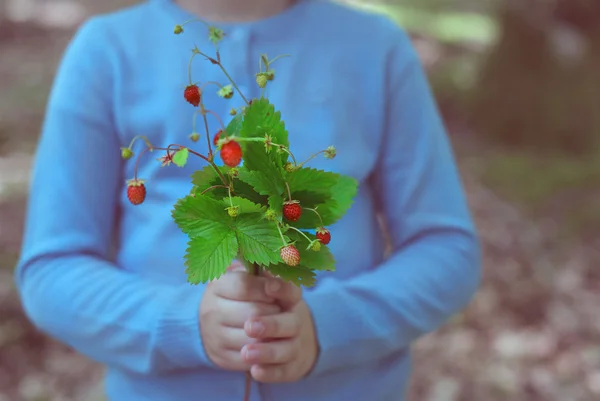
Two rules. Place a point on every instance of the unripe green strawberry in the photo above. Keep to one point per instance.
(226, 92)
(261, 79)
(315, 246)
(233, 211)
(194, 136)
(178, 29)
(126, 153)
(136, 191)
(270, 215)
(290, 255)
(330, 152)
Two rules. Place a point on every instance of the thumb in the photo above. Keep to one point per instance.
(285, 293)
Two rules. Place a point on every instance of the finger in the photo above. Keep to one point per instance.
(231, 339)
(286, 293)
(272, 373)
(270, 353)
(236, 313)
(241, 286)
(280, 325)
(236, 266)
(230, 360)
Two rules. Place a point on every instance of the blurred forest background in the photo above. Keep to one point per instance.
(518, 82)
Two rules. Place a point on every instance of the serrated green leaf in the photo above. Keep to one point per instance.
(343, 193)
(200, 216)
(235, 125)
(260, 119)
(208, 257)
(180, 157)
(320, 260)
(264, 184)
(259, 239)
(245, 205)
(312, 180)
(298, 275)
(205, 178)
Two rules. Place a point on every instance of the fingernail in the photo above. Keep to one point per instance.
(273, 286)
(251, 354)
(256, 328)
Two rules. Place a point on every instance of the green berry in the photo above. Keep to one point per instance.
(290, 167)
(270, 215)
(232, 112)
(330, 152)
(234, 172)
(126, 153)
(226, 92)
(178, 29)
(261, 79)
(233, 211)
(194, 136)
(315, 246)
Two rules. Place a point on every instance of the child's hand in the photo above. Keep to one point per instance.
(289, 347)
(227, 304)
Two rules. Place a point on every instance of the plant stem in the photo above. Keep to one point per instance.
(212, 163)
(190, 68)
(137, 162)
(216, 116)
(280, 234)
(232, 82)
(317, 213)
(203, 112)
(218, 62)
(311, 157)
(254, 270)
(213, 187)
(301, 232)
(286, 150)
(288, 191)
(211, 83)
(135, 138)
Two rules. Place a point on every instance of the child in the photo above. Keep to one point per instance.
(353, 80)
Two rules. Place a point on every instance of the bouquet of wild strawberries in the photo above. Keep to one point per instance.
(263, 211)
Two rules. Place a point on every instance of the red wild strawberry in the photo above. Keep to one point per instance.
(136, 191)
(292, 210)
(290, 255)
(323, 235)
(192, 95)
(231, 153)
(217, 137)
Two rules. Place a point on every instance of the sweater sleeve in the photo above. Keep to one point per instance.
(434, 268)
(69, 287)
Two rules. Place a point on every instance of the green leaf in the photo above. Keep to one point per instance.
(259, 239)
(235, 125)
(245, 205)
(260, 119)
(312, 180)
(320, 260)
(298, 275)
(205, 178)
(180, 157)
(343, 193)
(208, 257)
(200, 216)
(263, 183)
